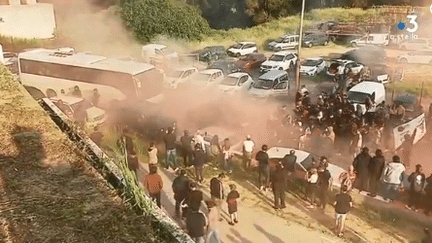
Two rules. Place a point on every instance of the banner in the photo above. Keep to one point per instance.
(400, 131)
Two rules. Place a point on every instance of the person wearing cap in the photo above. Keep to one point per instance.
(392, 178)
(187, 148)
(248, 147)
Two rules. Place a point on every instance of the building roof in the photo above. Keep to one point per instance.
(87, 60)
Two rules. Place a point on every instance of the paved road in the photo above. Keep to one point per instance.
(258, 221)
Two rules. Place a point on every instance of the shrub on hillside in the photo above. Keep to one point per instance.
(149, 18)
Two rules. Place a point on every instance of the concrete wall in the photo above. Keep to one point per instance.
(27, 21)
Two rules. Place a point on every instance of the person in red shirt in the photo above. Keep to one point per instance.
(153, 184)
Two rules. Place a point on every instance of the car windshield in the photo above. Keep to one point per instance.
(264, 84)
(238, 46)
(83, 103)
(279, 40)
(175, 74)
(230, 81)
(202, 77)
(357, 97)
(310, 62)
(308, 162)
(276, 58)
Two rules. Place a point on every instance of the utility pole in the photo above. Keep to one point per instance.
(299, 47)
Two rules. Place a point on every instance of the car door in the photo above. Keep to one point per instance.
(282, 87)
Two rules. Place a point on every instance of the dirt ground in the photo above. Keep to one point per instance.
(47, 191)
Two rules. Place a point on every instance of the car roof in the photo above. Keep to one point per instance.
(210, 71)
(184, 68)
(67, 99)
(272, 74)
(246, 42)
(280, 152)
(314, 58)
(284, 53)
(237, 75)
(366, 85)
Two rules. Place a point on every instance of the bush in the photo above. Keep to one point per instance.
(150, 18)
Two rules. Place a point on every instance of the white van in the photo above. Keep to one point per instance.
(155, 53)
(367, 89)
(274, 83)
(284, 43)
(372, 39)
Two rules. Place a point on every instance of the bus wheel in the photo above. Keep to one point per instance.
(51, 93)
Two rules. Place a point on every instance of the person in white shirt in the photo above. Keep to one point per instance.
(152, 153)
(248, 148)
(312, 179)
(200, 139)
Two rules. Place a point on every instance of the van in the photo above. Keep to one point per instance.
(274, 83)
(372, 39)
(315, 39)
(364, 90)
(284, 42)
(156, 53)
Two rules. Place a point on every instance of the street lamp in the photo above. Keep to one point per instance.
(299, 47)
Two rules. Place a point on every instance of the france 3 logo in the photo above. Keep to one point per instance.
(411, 27)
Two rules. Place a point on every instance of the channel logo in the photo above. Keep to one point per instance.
(411, 27)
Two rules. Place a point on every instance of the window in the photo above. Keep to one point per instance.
(284, 78)
(281, 86)
(213, 77)
(292, 39)
(243, 80)
(297, 39)
(287, 40)
(289, 56)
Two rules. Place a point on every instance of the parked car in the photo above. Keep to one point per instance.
(226, 65)
(236, 82)
(313, 66)
(304, 162)
(339, 66)
(242, 48)
(212, 53)
(372, 39)
(315, 39)
(284, 42)
(250, 62)
(416, 44)
(275, 83)
(364, 90)
(178, 76)
(381, 73)
(282, 60)
(69, 104)
(417, 57)
(207, 77)
(156, 53)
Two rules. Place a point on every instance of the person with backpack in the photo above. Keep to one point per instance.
(417, 181)
(217, 192)
(196, 223)
(180, 188)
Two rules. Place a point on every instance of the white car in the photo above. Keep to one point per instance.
(236, 82)
(282, 60)
(304, 162)
(338, 67)
(284, 42)
(242, 48)
(69, 104)
(313, 66)
(418, 57)
(367, 90)
(372, 39)
(416, 44)
(208, 77)
(178, 76)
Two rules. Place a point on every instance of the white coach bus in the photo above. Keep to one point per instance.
(55, 72)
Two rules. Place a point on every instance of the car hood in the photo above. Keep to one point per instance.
(234, 50)
(227, 88)
(259, 92)
(95, 113)
(271, 63)
(241, 63)
(307, 68)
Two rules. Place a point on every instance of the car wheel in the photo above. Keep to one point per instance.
(325, 43)
(237, 54)
(403, 61)
(310, 45)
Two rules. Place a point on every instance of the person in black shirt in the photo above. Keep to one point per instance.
(376, 168)
(263, 168)
(196, 223)
(194, 197)
(170, 146)
(324, 178)
(186, 142)
(361, 168)
(343, 204)
(279, 182)
(180, 188)
(199, 161)
(417, 182)
(289, 165)
(217, 192)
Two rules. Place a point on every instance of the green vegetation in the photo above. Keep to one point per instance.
(149, 18)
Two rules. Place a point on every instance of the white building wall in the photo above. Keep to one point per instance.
(27, 21)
